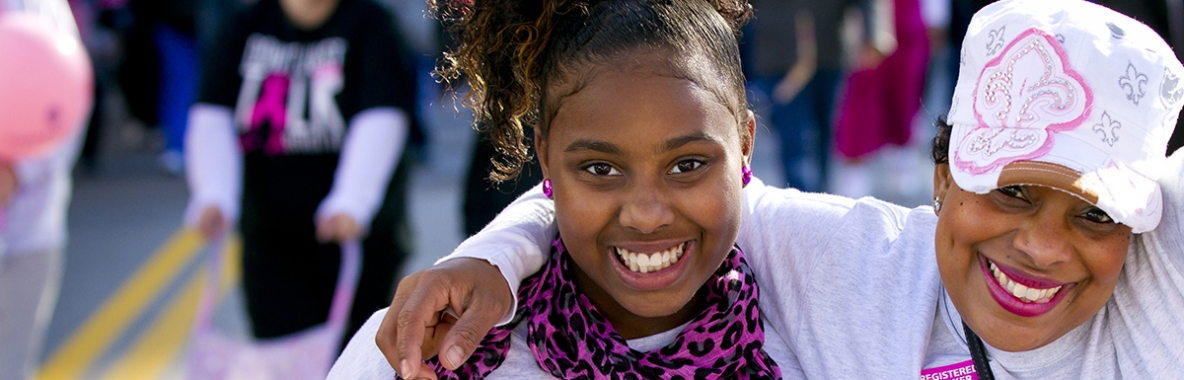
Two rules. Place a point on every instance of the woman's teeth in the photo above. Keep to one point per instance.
(645, 263)
(1020, 291)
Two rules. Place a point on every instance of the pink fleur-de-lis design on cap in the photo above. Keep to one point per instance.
(1022, 97)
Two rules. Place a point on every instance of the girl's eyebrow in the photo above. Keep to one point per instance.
(669, 145)
(677, 142)
(596, 146)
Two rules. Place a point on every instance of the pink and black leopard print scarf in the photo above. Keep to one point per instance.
(572, 340)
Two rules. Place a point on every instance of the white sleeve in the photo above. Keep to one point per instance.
(1144, 312)
(369, 154)
(41, 169)
(215, 162)
(517, 241)
(361, 358)
(1171, 226)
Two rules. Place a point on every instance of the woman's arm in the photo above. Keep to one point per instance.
(215, 168)
(369, 154)
(515, 245)
(477, 283)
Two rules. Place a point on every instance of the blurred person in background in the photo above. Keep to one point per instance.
(881, 101)
(158, 74)
(483, 198)
(301, 122)
(796, 65)
(34, 198)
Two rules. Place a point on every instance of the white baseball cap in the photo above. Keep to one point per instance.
(1070, 95)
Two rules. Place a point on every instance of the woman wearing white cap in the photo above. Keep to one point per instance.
(1055, 236)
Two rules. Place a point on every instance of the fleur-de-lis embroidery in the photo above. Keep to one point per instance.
(1107, 129)
(1170, 91)
(995, 40)
(1133, 82)
(1021, 100)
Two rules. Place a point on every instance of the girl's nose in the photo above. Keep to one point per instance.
(646, 212)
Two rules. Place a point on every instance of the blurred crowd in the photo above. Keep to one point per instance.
(849, 90)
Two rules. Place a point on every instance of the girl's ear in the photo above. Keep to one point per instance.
(941, 181)
(540, 149)
(748, 143)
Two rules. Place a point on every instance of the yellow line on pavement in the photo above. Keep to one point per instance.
(108, 322)
(160, 344)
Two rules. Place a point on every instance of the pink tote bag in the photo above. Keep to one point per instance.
(304, 355)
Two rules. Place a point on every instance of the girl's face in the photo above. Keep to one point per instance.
(1025, 264)
(646, 170)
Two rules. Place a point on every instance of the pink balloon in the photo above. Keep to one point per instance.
(45, 85)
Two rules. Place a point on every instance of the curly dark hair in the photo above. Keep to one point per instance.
(940, 152)
(516, 55)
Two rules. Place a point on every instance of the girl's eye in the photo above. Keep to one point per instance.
(1013, 191)
(686, 166)
(1096, 215)
(601, 168)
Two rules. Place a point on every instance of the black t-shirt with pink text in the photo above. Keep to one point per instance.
(294, 91)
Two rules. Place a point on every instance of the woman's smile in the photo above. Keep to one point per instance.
(1022, 294)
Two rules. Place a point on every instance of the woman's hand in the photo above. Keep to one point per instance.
(417, 325)
(338, 228)
(212, 224)
(7, 184)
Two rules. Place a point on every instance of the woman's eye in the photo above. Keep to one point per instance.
(1096, 215)
(1014, 192)
(686, 166)
(602, 169)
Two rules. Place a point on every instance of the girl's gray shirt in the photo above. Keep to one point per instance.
(853, 288)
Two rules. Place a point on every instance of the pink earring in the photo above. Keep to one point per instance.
(547, 187)
(746, 174)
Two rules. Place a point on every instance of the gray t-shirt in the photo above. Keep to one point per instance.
(361, 358)
(853, 288)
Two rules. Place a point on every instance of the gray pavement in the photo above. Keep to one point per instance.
(127, 208)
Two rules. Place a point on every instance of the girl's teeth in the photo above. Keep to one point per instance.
(645, 263)
(1024, 293)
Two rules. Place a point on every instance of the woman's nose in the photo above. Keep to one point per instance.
(1045, 241)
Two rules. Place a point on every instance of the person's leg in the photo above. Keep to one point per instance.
(797, 125)
(29, 285)
(825, 92)
(178, 88)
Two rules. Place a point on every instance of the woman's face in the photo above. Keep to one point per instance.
(646, 170)
(1025, 264)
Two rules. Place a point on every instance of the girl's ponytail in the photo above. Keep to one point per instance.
(501, 43)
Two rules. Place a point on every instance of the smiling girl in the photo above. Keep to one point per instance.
(644, 136)
(1052, 251)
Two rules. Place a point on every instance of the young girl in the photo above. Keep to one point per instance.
(643, 139)
(1055, 252)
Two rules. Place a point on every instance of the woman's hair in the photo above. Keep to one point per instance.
(514, 52)
(941, 142)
